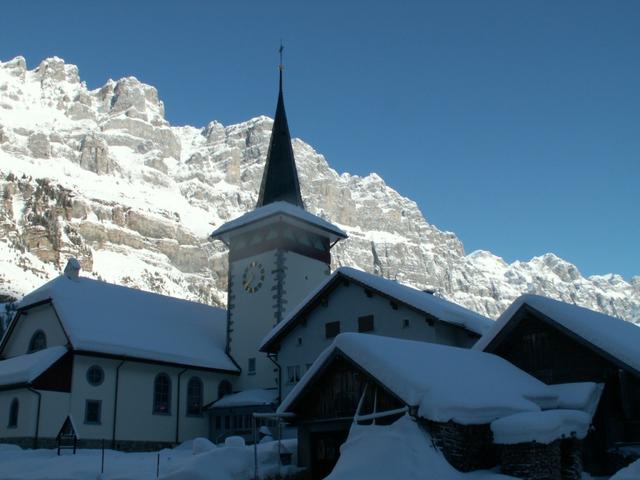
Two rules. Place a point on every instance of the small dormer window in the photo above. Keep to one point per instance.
(38, 342)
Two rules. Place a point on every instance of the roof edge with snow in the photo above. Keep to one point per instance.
(476, 324)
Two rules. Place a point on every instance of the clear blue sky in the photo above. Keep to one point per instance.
(513, 123)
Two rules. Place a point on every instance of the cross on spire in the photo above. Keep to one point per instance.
(280, 50)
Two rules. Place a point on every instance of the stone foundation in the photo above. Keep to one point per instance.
(123, 445)
(571, 451)
(466, 447)
(532, 461)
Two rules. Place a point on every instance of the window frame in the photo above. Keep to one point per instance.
(328, 329)
(157, 410)
(189, 412)
(363, 323)
(294, 374)
(97, 403)
(95, 368)
(14, 412)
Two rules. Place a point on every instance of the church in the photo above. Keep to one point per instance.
(104, 355)
(134, 370)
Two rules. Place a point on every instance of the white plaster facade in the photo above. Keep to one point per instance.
(348, 302)
(253, 314)
(126, 393)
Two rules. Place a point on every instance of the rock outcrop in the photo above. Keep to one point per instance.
(100, 175)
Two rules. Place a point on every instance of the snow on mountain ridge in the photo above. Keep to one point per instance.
(100, 174)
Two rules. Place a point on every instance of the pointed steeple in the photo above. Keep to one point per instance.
(280, 177)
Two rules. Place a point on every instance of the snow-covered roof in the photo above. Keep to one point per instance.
(583, 396)
(106, 318)
(445, 383)
(616, 337)
(24, 369)
(285, 209)
(248, 398)
(541, 427)
(440, 308)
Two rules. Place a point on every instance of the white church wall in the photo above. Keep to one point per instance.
(197, 426)
(53, 412)
(135, 418)
(302, 276)
(27, 412)
(38, 318)
(346, 304)
(252, 314)
(82, 391)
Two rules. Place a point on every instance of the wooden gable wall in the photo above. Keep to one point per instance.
(547, 351)
(337, 390)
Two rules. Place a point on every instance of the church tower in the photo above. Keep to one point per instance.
(277, 254)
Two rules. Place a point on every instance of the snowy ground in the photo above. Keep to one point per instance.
(180, 463)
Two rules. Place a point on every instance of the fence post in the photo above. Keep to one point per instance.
(102, 464)
(158, 466)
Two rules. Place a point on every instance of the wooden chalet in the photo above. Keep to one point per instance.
(453, 393)
(557, 342)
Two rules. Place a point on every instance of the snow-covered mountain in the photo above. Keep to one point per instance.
(101, 175)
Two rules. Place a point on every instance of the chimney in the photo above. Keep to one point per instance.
(72, 270)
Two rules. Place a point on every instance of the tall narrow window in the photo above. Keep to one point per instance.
(38, 342)
(194, 396)
(252, 366)
(93, 411)
(162, 394)
(13, 413)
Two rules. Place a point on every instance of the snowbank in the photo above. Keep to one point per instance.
(631, 472)
(400, 450)
(541, 427)
(234, 463)
(218, 463)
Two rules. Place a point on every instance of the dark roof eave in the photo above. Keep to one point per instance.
(130, 358)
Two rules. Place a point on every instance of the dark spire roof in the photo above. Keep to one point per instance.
(280, 177)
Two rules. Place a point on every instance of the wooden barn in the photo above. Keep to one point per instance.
(558, 342)
(453, 393)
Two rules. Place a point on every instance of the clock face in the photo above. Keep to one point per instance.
(253, 277)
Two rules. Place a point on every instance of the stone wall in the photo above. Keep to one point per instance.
(124, 445)
(466, 447)
(532, 461)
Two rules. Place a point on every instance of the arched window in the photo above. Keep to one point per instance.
(224, 388)
(38, 342)
(194, 396)
(13, 413)
(162, 394)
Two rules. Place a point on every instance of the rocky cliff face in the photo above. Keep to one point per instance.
(102, 176)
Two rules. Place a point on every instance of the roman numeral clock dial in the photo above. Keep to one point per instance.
(253, 277)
